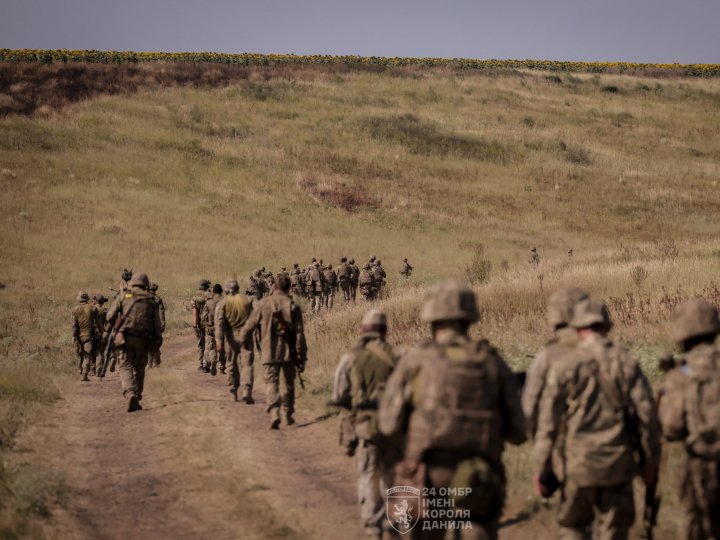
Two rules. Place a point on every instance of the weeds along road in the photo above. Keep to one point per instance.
(192, 464)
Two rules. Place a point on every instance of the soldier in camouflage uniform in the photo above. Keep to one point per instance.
(196, 305)
(367, 284)
(405, 269)
(208, 319)
(297, 281)
(457, 402)
(354, 279)
(329, 287)
(154, 357)
(344, 275)
(690, 413)
(559, 312)
(231, 315)
(138, 334)
(603, 405)
(102, 327)
(85, 333)
(315, 281)
(281, 327)
(534, 257)
(373, 360)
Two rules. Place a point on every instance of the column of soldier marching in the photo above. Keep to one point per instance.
(427, 425)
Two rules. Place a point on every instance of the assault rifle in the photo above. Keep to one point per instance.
(289, 336)
(109, 348)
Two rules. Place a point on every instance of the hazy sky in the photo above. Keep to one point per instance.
(633, 30)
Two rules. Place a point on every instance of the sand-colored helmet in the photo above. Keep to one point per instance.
(126, 275)
(204, 285)
(140, 280)
(693, 318)
(560, 305)
(590, 312)
(374, 317)
(83, 296)
(352, 261)
(232, 286)
(450, 300)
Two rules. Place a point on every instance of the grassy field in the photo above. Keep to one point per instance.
(442, 168)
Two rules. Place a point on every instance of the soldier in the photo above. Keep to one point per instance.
(197, 304)
(690, 412)
(344, 274)
(283, 348)
(137, 320)
(208, 319)
(373, 363)
(154, 357)
(366, 281)
(354, 279)
(102, 328)
(602, 404)
(559, 312)
(329, 287)
(406, 269)
(379, 275)
(534, 257)
(231, 315)
(457, 402)
(85, 333)
(315, 281)
(570, 255)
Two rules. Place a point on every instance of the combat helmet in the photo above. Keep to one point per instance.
(589, 313)
(204, 285)
(560, 306)
(140, 280)
(352, 261)
(367, 266)
(232, 286)
(694, 318)
(374, 318)
(126, 275)
(83, 296)
(450, 300)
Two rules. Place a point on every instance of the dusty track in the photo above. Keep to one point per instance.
(193, 464)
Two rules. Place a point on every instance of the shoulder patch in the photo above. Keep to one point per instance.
(128, 295)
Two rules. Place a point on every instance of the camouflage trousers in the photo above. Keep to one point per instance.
(315, 298)
(700, 497)
(154, 359)
(371, 487)
(328, 298)
(274, 397)
(201, 345)
(353, 290)
(132, 358)
(345, 287)
(610, 510)
(211, 354)
(240, 370)
(86, 356)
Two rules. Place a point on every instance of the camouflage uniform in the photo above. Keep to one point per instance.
(102, 328)
(458, 402)
(344, 276)
(85, 333)
(154, 357)
(406, 269)
(329, 287)
(594, 397)
(371, 367)
(534, 257)
(231, 316)
(354, 279)
(208, 318)
(278, 318)
(197, 304)
(690, 413)
(367, 284)
(379, 276)
(141, 330)
(315, 281)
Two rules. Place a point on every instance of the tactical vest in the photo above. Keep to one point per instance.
(365, 278)
(315, 279)
(702, 399)
(139, 312)
(344, 272)
(456, 398)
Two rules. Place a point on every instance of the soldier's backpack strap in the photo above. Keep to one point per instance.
(375, 348)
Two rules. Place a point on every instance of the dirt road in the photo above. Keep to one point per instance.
(193, 464)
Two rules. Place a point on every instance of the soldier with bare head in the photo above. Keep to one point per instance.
(458, 403)
(231, 315)
(137, 320)
(690, 413)
(597, 411)
(85, 333)
(283, 349)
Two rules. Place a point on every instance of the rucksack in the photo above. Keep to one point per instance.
(702, 400)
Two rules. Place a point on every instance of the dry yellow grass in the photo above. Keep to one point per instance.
(186, 183)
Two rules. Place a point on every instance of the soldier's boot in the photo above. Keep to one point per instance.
(275, 415)
(233, 394)
(201, 367)
(85, 377)
(289, 420)
(213, 368)
(205, 368)
(134, 404)
(247, 398)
